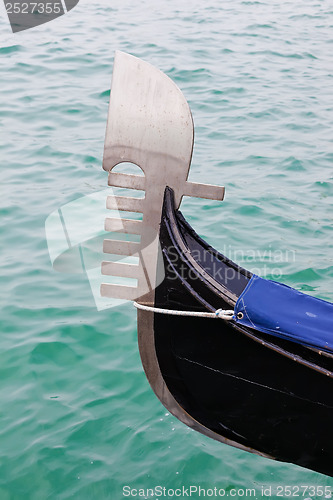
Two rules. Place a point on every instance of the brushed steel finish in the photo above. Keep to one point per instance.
(121, 247)
(129, 181)
(120, 225)
(149, 124)
(119, 291)
(125, 203)
(121, 269)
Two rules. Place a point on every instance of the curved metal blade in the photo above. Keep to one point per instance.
(149, 121)
(149, 124)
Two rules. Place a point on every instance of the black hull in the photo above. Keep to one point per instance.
(270, 396)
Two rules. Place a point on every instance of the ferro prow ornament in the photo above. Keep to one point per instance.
(246, 361)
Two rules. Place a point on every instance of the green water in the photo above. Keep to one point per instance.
(78, 418)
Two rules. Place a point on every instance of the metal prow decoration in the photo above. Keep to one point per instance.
(149, 124)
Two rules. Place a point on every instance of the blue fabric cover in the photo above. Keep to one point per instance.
(279, 310)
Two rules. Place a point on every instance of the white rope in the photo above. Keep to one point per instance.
(219, 313)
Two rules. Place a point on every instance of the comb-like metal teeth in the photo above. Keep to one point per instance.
(129, 181)
(121, 247)
(123, 225)
(119, 291)
(149, 125)
(125, 203)
(121, 269)
(207, 191)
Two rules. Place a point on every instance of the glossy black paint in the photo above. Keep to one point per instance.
(221, 374)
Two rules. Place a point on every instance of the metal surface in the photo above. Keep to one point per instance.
(149, 124)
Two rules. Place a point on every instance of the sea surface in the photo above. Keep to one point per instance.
(78, 419)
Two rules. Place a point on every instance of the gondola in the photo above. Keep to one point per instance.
(244, 360)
